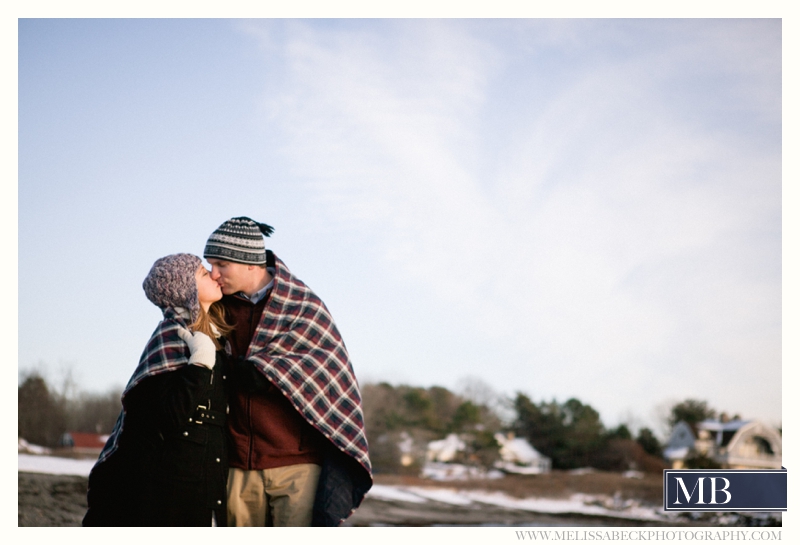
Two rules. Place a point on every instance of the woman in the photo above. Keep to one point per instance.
(165, 463)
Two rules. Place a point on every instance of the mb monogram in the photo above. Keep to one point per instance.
(699, 487)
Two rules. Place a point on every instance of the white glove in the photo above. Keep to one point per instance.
(201, 347)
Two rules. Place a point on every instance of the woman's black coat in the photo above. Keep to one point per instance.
(171, 467)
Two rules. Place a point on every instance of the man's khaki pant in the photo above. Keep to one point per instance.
(282, 496)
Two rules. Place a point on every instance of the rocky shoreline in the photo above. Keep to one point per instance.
(51, 500)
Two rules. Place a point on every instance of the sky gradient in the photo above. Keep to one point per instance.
(567, 208)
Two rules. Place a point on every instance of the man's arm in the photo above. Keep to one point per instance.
(249, 379)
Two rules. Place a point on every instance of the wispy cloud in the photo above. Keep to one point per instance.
(620, 226)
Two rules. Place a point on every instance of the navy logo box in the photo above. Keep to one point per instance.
(725, 489)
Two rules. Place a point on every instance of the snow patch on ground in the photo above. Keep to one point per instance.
(392, 493)
(24, 446)
(53, 465)
(457, 472)
(577, 504)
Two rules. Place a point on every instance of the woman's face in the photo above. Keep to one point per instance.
(208, 291)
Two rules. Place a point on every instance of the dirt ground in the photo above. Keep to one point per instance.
(556, 484)
(60, 500)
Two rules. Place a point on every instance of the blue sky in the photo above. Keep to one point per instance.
(567, 208)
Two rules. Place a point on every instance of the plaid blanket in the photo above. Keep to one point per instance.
(164, 352)
(299, 349)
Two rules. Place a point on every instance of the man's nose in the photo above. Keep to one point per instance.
(214, 273)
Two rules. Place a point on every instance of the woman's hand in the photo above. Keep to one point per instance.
(201, 347)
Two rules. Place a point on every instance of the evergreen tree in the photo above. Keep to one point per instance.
(690, 411)
(649, 442)
(570, 434)
(620, 432)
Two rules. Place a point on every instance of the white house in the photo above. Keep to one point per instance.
(445, 450)
(446, 461)
(519, 456)
(733, 444)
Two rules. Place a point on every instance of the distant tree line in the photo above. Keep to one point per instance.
(44, 414)
(571, 434)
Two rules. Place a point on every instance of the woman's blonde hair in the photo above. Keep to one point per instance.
(216, 316)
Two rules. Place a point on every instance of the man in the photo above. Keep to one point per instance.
(298, 452)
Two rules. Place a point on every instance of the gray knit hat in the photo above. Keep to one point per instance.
(171, 282)
(239, 240)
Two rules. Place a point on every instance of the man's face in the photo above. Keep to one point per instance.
(231, 277)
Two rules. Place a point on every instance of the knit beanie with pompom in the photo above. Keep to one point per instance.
(239, 240)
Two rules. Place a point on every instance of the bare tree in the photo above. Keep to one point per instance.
(94, 413)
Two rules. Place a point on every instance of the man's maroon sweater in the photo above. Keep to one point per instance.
(264, 428)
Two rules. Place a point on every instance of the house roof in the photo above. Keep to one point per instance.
(716, 425)
(88, 440)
